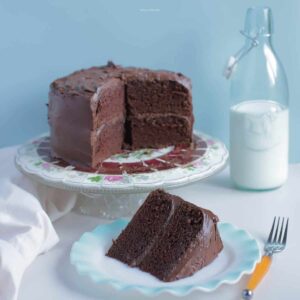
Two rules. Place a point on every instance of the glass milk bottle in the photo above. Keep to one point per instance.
(259, 115)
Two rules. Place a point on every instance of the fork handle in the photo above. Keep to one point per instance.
(260, 271)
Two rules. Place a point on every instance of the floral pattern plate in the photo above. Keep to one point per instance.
(126, 172)
(239, 256)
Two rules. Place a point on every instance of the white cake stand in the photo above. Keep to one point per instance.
(122, 181)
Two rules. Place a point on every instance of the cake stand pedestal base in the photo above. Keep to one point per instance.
(109, 206)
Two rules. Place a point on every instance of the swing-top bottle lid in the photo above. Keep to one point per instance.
(258, 21)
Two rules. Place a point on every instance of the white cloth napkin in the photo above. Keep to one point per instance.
(26, 211)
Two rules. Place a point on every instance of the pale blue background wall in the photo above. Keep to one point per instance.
(42, 40)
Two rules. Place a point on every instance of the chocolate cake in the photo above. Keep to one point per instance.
(168, 238)
(97, 112)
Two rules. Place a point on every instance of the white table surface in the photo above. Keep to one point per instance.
(51, 277)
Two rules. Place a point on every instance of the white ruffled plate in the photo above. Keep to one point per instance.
(239, 256)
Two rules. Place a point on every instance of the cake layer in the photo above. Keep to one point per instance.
(153, 95)
(160, 130)
(185, 240)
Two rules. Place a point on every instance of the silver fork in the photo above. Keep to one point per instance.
(276, 243)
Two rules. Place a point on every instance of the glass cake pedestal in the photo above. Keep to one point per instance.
(122, 182)
(109, 206)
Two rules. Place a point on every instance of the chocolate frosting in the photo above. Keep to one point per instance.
(86, 81)
(202, 251)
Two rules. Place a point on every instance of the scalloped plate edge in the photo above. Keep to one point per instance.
(133, 187)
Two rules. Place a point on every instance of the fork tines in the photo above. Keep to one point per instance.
(281, 231)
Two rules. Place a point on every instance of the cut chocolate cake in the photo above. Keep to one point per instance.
(168, 238)
(97, 112)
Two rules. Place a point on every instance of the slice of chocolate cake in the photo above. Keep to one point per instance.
(168, 238)
(95, 113)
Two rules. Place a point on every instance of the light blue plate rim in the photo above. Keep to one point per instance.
(251, 256)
